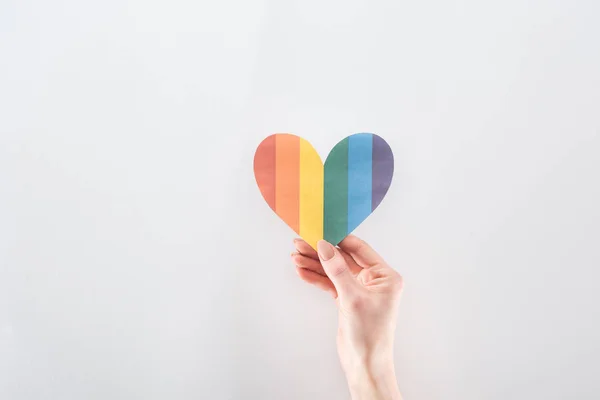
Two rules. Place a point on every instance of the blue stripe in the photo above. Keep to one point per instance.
(360, 157)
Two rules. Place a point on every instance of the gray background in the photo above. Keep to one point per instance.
(139, 261)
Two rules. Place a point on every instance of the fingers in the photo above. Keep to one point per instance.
(361, 252)
(317, 280)
(305, 262)
(305, 249)
(335, 266)
(352, 265)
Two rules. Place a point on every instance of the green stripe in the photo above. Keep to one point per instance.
(335, 218)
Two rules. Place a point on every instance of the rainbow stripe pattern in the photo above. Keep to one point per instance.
(323, 201)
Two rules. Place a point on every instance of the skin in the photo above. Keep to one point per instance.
(367, 294)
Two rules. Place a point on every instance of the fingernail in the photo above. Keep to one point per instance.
(325, 250)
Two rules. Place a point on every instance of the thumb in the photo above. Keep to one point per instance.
(336, 268)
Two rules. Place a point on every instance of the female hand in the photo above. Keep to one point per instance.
(367, 293)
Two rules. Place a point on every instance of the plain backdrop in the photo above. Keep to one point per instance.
(139, 261)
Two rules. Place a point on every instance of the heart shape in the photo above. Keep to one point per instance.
(323, 201)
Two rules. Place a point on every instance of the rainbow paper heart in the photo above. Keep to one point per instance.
(323, 202)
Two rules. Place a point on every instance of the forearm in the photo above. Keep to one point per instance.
(375, 382)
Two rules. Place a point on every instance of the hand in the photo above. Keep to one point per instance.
(367, 293)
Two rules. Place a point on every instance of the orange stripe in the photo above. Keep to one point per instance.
(287, 179)
(264, 169)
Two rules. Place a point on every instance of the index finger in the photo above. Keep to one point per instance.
(363, 254)
(305, 249)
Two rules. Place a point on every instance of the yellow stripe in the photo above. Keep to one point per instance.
(311, 194)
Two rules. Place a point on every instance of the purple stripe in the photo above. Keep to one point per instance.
(383, 169)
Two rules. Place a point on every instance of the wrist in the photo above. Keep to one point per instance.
(373, 380)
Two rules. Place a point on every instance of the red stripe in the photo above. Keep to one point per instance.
(264, 169)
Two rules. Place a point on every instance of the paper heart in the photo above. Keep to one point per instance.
(323, 202)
